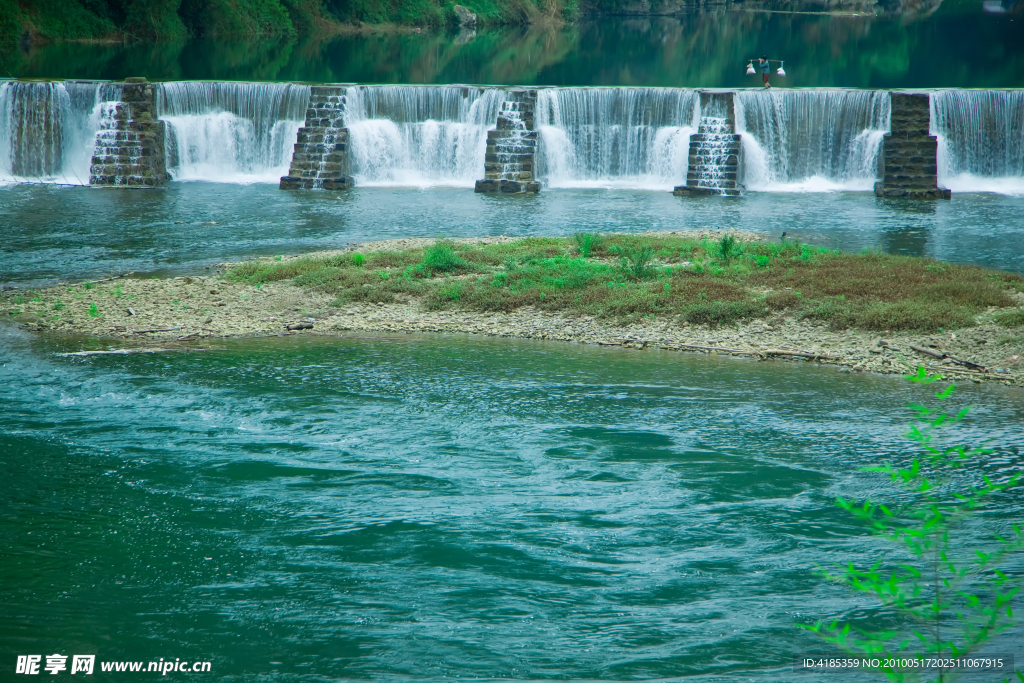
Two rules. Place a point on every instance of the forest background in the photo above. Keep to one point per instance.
(34, 21)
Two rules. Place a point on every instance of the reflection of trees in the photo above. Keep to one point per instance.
(950, 48)
(710, 49)
(513, 55)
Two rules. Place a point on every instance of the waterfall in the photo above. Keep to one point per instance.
(615, 137)
(811, 140)
(981, 140)
(419, 135)
(231, 132)
(47, 130)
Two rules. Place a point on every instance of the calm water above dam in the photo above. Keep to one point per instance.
(930, 44)
(426, 507)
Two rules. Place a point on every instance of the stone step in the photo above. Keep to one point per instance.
(518, 175)
(910, 161)
(124, 150)
(290, 182)
(511, 149)
(312, 134)
(910, 171)
(125, 181)
(699, 137)
(528, 146)
(327, 112)
(116, 169)
(108, 160)
(902, 148)
(518, 105)
(508, 125)
(503, 135)
(911, 193)
(509, 158)
(694, 175)
(318, 148)
(113, 137)
(327, 122)
(332, 157)
(497, 167)
(715, 159)
(702, 149)
(506, 187)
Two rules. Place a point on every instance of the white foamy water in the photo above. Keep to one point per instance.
(231, 132)
(48, 130)
(811, 140)
(634, 138)
(419, 136)
(981, 140)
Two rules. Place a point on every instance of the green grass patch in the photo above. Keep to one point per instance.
(1011, 319)
(629, 277)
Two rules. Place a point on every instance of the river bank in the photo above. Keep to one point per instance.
(373, 288)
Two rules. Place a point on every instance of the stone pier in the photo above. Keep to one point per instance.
(511, 161)
(714, 160)
(909, 153)
(129, 149)
(320, 159)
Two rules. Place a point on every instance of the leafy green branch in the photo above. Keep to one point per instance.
(947, 601)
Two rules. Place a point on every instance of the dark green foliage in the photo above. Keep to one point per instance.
(941, 589)
(235, 17)
(69, 19)
(586, 241)
(153, 19)
(622, 279)
(727, 247)
(441, 258)
(637, 261)
(1011, 319)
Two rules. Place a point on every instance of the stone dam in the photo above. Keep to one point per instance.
(510, 140)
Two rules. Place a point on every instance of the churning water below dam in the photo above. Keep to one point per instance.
(426, 507)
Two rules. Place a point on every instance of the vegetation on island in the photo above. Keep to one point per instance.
(629, 277)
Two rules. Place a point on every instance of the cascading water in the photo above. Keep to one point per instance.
(47, 130)
(419, 135)
(981, 140)
(231, 132)
(811, 140)
(615, 137)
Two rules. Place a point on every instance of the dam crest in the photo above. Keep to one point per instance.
(512, 140)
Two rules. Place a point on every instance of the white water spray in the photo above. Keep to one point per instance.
(811, 140)
(47, 130)
(231, 132)
(981, 140)
(406, 135)
(615, 137)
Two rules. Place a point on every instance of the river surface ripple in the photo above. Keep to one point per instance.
(422, 506)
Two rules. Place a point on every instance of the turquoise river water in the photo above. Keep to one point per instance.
(425, 507)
